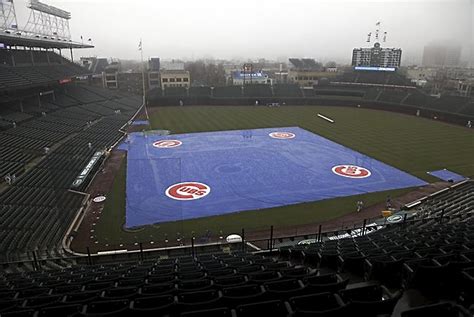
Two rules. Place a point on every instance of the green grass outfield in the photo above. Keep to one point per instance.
(409, 143)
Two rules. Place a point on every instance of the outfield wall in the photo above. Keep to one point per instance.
(336, 101)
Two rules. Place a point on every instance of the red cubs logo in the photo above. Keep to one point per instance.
(166, 144)
(188, 191)
(351, 171)
(282, 135)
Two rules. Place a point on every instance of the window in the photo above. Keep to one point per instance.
(178, 80)
(172, 80)
(185, 80)
(165, 80)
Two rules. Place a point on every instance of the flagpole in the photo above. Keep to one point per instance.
(143, 79)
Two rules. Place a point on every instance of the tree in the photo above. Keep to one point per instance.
(206, 74)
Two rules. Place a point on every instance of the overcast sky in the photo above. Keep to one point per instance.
(272, 29)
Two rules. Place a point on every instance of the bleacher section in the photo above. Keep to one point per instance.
(287, 90)
(456, 203)
(200, 91)
(453, 104)
(424, 267)
(228, 92)
(392, 95)
(176, 91)
(339, 92)
(19, 68)
(258, 91)
(375, 78)
(417, 98)
(36, 209)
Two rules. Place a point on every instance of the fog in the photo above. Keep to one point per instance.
(277, 29)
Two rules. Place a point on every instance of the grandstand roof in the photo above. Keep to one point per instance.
(19, 40)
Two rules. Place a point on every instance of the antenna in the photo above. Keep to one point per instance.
(7, 16)
(377, 34)
(377, 30)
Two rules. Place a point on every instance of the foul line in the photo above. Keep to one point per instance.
(325, 118)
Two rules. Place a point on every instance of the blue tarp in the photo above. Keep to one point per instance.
(446, 175)
(245, 170)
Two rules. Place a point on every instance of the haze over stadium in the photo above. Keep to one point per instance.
(236, 158)
(240, 29)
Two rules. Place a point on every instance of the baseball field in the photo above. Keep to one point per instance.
(404, 144)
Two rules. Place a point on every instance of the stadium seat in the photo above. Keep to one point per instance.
(41, 301)
(60, 310)
(384, 268)
(233, 296)
(265, 276)
(83, 297)
(284, 289)
(158, 289)
(272, 308)
(213, 312)
(229, 281)
(323, 304)
(20, 313)
(120, 293)
(198, 300)
(107, 308)
(325, 283)
(194, 285)
(369, 299)
(436, 310)
(424, 274)
(153, 306)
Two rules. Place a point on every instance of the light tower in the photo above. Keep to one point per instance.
(48, 21)
(7, 16)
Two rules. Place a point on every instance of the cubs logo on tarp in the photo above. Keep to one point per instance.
(167, 144)
(188, 191)
(282, 135)
(351, 171)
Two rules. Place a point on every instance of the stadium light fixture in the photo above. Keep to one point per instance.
(41, 7)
